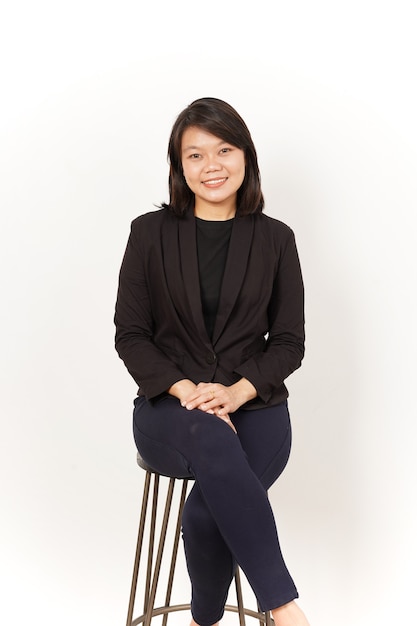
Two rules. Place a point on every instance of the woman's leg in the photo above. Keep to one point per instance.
(266, 439)
(210, 563)
(261, 443)
(174, 441)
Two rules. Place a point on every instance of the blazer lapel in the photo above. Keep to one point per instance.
(181, 270)
(235, 270)
(189, 268)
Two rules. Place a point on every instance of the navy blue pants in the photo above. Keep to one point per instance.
(227, 516)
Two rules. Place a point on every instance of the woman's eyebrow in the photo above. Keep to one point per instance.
(221, 142)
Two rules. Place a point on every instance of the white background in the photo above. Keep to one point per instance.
(89, 94)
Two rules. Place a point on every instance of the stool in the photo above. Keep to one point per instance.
(153, 565)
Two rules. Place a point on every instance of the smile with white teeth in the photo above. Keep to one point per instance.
(214, 181)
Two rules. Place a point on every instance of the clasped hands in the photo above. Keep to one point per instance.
(214, 398)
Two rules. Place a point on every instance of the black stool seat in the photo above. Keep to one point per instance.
(148, 526)
(150, 469)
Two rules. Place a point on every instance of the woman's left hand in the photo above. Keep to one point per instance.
(219, 399)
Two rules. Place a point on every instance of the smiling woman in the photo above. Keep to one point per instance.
(216, 122)
(191, 319)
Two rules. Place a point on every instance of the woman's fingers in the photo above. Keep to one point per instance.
(211, 396)
(228, 421)
(204, 394)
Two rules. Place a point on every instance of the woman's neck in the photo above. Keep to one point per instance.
(214, 213)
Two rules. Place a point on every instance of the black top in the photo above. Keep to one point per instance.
(212, 246)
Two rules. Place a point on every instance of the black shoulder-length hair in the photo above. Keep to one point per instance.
(220, 119)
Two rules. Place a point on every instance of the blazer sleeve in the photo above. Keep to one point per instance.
(151, 369)
(284, 348)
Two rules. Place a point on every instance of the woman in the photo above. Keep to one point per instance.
(209, 322)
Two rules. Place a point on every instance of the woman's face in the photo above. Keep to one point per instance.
(214, 171)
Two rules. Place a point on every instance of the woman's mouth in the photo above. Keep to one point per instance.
(214, 182)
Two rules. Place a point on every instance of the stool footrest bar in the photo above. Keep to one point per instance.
(164, 610)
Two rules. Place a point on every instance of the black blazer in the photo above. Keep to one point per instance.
(259, 331)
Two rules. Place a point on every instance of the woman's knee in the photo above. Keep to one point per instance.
(202, 440)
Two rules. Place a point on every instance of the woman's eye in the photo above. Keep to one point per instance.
(225, 150)
(194, 156)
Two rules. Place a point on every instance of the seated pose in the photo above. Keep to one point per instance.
(209, 323)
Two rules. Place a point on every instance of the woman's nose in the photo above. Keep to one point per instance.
(212, 164)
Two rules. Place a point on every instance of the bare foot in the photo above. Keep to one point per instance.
(289, 615)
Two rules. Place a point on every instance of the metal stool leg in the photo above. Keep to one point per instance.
(151, 544)
(139, 544)
(239, 597)
(157, 568)
(175, 548)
